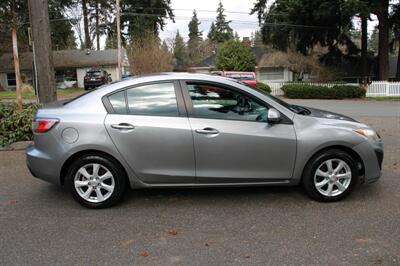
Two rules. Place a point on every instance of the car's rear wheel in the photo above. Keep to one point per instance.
(330, 175)
(96, 181)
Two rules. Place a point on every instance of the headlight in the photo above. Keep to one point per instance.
(369, 134)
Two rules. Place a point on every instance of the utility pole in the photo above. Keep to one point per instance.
(16, 68)
(39, 21)
(118, 40)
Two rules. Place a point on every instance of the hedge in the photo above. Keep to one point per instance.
(306, 91)
(16, 125)
(263, 87)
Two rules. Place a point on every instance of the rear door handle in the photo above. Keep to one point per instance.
(207, 130)
(123, 126)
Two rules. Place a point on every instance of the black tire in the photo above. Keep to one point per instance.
(313, 165)
(116, 170)
(87, 88)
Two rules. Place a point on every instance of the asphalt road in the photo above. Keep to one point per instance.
(40, 224)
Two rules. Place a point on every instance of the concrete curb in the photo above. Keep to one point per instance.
(16, 146)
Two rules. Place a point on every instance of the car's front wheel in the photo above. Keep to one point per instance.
(330, 175)
(96, 181)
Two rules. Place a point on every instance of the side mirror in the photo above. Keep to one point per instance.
(273, 116)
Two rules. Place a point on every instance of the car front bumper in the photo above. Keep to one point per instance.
(372, 157)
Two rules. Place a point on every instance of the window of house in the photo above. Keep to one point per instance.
(215, 102)
(154, 99)
(11, 80)
(272, 74)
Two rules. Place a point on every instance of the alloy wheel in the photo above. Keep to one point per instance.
(94, 182)
(332, 177)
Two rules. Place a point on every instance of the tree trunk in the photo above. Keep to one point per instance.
(383, 49)
(364, 46)
(39, 21)
(16, 68)
(398, 64)
(86, 25)
(97, 25)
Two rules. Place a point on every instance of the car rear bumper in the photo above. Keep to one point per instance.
(41, 165)
(372, 156)
(96, 83)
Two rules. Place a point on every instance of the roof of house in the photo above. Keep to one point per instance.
(65, 59)
(210, 61)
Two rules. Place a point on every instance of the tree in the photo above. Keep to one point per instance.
(234, 55)
(62, 34)
(99, 18)
(146, 55)
(88, 41)
(302, 24)
(140, 16)
(220, 31)
(395, 25)
(195, 38)
(381, 10)
(180, 54)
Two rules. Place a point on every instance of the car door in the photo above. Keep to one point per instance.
(149, 126)
(233, 142)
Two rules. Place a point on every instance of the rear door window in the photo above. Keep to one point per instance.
(153, 99)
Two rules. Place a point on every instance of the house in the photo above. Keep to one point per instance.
(70, 66)
(271, 67)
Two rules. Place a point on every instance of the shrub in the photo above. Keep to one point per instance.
(16, 125)
(263, 87)
(307, 91)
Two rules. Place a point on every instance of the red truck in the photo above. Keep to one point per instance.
(246, 77)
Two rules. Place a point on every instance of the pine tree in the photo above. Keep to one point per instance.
(195, 38)
(220, 31)
(180, 54)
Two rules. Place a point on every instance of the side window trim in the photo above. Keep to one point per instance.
(178, 94)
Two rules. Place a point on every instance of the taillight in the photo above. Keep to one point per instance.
(43, 125)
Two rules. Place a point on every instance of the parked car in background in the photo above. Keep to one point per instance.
(246, 77)
(188, 130)
(95, 78)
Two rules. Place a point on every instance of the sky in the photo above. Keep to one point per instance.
(242, 22)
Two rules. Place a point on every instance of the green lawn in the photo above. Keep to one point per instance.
(60, 93)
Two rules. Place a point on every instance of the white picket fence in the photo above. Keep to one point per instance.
(375, 89)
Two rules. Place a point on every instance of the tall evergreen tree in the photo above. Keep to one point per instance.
(140, 16)
(195, 38)
(220, 31)
(180, 54)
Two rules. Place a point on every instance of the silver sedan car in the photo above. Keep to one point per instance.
(195, 130)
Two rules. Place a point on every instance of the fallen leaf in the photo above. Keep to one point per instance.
(247, 256)
(11, 202)
(207, 245)
(361, 241)
(128, 242)
(173, 232)
(143, 253)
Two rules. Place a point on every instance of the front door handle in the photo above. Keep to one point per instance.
(123, 126)
(207, 130)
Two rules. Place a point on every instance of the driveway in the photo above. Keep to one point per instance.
(41, 224)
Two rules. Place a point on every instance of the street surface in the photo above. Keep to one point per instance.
(40, 224)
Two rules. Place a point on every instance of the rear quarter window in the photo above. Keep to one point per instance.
(118, 103)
